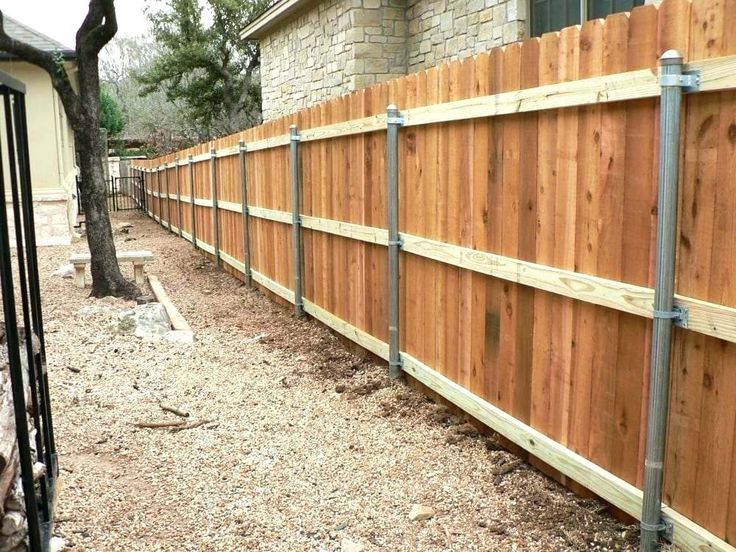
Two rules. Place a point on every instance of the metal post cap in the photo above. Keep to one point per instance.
(671, 57)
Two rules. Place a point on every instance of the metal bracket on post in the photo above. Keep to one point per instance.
(665, 312)
(296, 219)
(242, 149)
(665, 528)
(393, 122)
(215, 208)
(689, 81)
(678, 315)
(668, 530)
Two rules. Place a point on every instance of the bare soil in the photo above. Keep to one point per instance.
(307, 446)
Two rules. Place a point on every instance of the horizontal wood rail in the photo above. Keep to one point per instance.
(702, 316)
(270, 214)
(275, 287)
(348, 128)
(229, 206)
(200, 202)
(715, 74)
(346, 229)
(364, 339)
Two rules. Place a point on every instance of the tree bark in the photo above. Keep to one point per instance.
(106, 276)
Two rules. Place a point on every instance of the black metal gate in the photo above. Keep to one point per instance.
(124, 193)
(23, 340)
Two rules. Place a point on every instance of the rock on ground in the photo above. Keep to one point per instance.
(144, 321)
(348, 545)
(65, 271)
(420, 513)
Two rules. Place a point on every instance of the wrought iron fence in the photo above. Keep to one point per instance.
(24, 337)
(124, 193)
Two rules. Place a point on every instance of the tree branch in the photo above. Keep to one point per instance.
(98, 27)
(49, 63)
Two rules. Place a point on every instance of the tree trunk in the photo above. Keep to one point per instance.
(106, 276)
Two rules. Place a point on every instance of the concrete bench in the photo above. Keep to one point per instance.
(138, 258)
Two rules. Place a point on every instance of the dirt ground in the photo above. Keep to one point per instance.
(309, 447)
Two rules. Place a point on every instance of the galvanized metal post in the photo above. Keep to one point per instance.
(244, 207)
(296, 220)
(215, 214)
(168, 203)
(672, 82)
(394, 243)
(191, 197)
(158, 191)
(178, 195)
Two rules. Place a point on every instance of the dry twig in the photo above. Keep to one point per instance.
(174, 410)
(159, 425)
(191, 425)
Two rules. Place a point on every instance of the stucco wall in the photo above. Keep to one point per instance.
(51, 151)
(332, 48)
(49, 135)
(441, 30)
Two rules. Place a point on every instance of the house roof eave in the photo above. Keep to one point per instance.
(274, 16)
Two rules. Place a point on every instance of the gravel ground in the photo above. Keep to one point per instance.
(310, 447)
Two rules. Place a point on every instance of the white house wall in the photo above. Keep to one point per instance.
(51, 150)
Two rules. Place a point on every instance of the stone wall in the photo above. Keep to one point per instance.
(333, 48)
(338, 46)
(52, 217)
(443, 30)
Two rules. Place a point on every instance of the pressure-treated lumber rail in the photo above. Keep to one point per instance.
(703, 317)
(715, 74)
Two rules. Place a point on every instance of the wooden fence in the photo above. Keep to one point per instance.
(528, 197)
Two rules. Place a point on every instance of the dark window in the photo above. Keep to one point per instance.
(553, 15)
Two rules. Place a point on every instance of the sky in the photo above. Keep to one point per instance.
(60, 19)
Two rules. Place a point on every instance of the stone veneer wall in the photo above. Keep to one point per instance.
(443, 30)
(52, 216)
(333, 48)
(337, 46)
